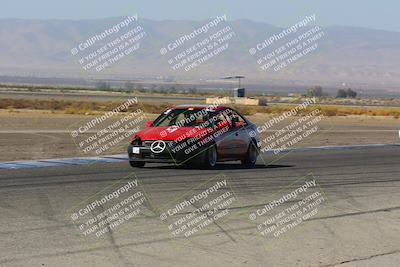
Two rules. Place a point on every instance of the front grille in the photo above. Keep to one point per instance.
(163, 155)
(148, 143)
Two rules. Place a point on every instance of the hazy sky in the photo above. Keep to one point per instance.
(378, 14)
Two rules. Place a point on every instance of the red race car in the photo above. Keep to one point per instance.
(196, 134)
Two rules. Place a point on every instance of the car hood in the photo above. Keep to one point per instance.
(169, 133)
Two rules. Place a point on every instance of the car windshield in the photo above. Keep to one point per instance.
(184, 118)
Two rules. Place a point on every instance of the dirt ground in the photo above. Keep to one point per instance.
(28, 135)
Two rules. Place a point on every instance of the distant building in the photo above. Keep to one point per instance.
(239, 92)
(234, 100)
(239, 96)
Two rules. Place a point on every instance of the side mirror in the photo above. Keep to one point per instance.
(149, 124)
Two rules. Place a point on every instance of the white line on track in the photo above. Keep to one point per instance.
(26, 164)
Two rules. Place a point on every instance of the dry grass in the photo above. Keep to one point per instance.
(87, 107)
(75, 107)
(326, 110)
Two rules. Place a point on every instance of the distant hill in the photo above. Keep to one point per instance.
(366, 57)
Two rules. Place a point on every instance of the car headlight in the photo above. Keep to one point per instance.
(136, 141)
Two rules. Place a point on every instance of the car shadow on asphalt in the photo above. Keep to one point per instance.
(221, 166)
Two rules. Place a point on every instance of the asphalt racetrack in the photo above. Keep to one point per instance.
(357, 224)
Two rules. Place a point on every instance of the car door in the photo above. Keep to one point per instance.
(231, 143)
(240, 136)
(224, 136)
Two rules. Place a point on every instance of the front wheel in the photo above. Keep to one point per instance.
(251, 156)
(137, 164)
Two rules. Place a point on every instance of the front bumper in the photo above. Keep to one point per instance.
(167, 156)
(145, 154)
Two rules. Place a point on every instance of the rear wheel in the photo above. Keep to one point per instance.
(251, 156)
(210, 157)
(137, 164)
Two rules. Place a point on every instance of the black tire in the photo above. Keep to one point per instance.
(210, 157)
(137, 164)
(251, 156)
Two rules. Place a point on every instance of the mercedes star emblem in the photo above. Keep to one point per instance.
(158, 146)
